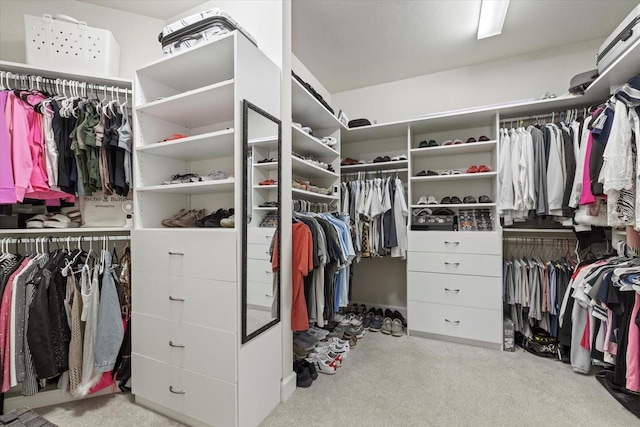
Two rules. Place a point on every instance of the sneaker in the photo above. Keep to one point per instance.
(398, 315)
(376, 325)
(303, 376)
(337, 332)
(303, 344)
(310, 367)
(317, 332)
(352, 331)
(228, 222)
(353, 341)
(327, 355)
(189, 219)
(168, 222)
(397, 328)
(423, 200)
(386, 326)
(323, 366)
(299, 351)
(366, 322)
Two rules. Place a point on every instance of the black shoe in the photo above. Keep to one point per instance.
(388, 313)
(203, 221)
(303, 376)
(311, 367)
(398, 315)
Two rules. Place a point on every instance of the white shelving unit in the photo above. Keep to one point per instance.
(307, 111)
(189, 279)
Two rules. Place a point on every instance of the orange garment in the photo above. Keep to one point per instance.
(302, 253)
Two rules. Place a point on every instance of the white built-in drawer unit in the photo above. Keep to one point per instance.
(258, 251)
(472, 242)
(209, 400)
(260, 235)
(193, 253)
(465, 291)
(467, 264)
(460, 322)
(206, 351)
(201, 302)
(260, 294)
(259, 270)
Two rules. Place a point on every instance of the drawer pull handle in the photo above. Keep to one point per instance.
(172, 298)
(455, 291)
(177, 345)
(268, 272)
(176, 253)
(267, 237)
(174, 391)
(455, 322)
(454, 264)
(267, 252)
(268, 296)
(451, 243)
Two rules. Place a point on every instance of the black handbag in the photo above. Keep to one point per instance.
(359, 122)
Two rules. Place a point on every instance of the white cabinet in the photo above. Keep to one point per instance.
(186, 309)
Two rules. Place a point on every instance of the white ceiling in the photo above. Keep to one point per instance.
(348, 44)
(159, 9)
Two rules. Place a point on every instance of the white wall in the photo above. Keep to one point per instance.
(520, 77)
(260, 18)
(137, 35)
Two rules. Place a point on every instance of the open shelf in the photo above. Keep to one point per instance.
(205, 187)
(308, 195)
(271, 166)
(457, 206)
(447, 150)
(196, 108)
(308, 111)
(304, 169)
(265, 187)
(188, 64)
(305, 144)
(79, 230)
(395, 166)
(199, 147)
(460, 177)
(269, 142)
(262, 208)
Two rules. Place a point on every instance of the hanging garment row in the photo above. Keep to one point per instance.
(601, 310)
(536, 273)
(377, 210)
(322, 253)
(57, 140)
(585, 169)
(64, 315)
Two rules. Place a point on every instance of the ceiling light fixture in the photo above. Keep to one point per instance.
(492, 14)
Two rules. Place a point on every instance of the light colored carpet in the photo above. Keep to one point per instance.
(410, 381)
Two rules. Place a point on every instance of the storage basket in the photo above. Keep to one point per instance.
(65, 44)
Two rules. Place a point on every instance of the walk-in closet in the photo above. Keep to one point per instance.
(273, 213)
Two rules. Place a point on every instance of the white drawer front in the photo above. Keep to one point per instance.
(456, 242)
(259, 271)
(473, 265)
(461, 322)
(479, 292)
(260, 235)
(206, 351)
(200, 302)
(256, 251)
(191, 253)
(260, 294)
(208, 400)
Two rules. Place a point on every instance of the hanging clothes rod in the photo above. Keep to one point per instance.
(12, 240)
(36, 80)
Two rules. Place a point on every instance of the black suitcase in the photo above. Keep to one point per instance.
(199, 28)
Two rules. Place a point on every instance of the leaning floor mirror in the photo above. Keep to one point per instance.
(260, 231)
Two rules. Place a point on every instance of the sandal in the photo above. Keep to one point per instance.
(36, 221)
(60, 221)
(267, 182)
(472, 169)
(483, 168)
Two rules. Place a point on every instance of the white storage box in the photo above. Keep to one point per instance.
(65, 44)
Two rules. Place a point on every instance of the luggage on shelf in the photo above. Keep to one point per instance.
(198, 28)
(622, 38)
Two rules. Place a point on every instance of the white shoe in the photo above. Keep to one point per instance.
(327, 355)
(323, 366)
(423, 200)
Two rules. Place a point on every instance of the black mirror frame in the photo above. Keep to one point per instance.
(246, 106)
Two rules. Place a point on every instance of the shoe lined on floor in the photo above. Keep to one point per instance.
(397, 328)
(398, 315)
(386, 326)
(323, 366)
(376, 324)
(303, 376)
(310, 367)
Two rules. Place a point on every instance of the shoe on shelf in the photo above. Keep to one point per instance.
(397, 328)
(228, 222)
(168, 222)
(189, 219)
(214, 176)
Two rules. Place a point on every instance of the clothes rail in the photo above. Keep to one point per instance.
(347, 176)
(12, 240)
(58, 85)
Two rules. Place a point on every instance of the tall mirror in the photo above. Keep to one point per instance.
(260, 231)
